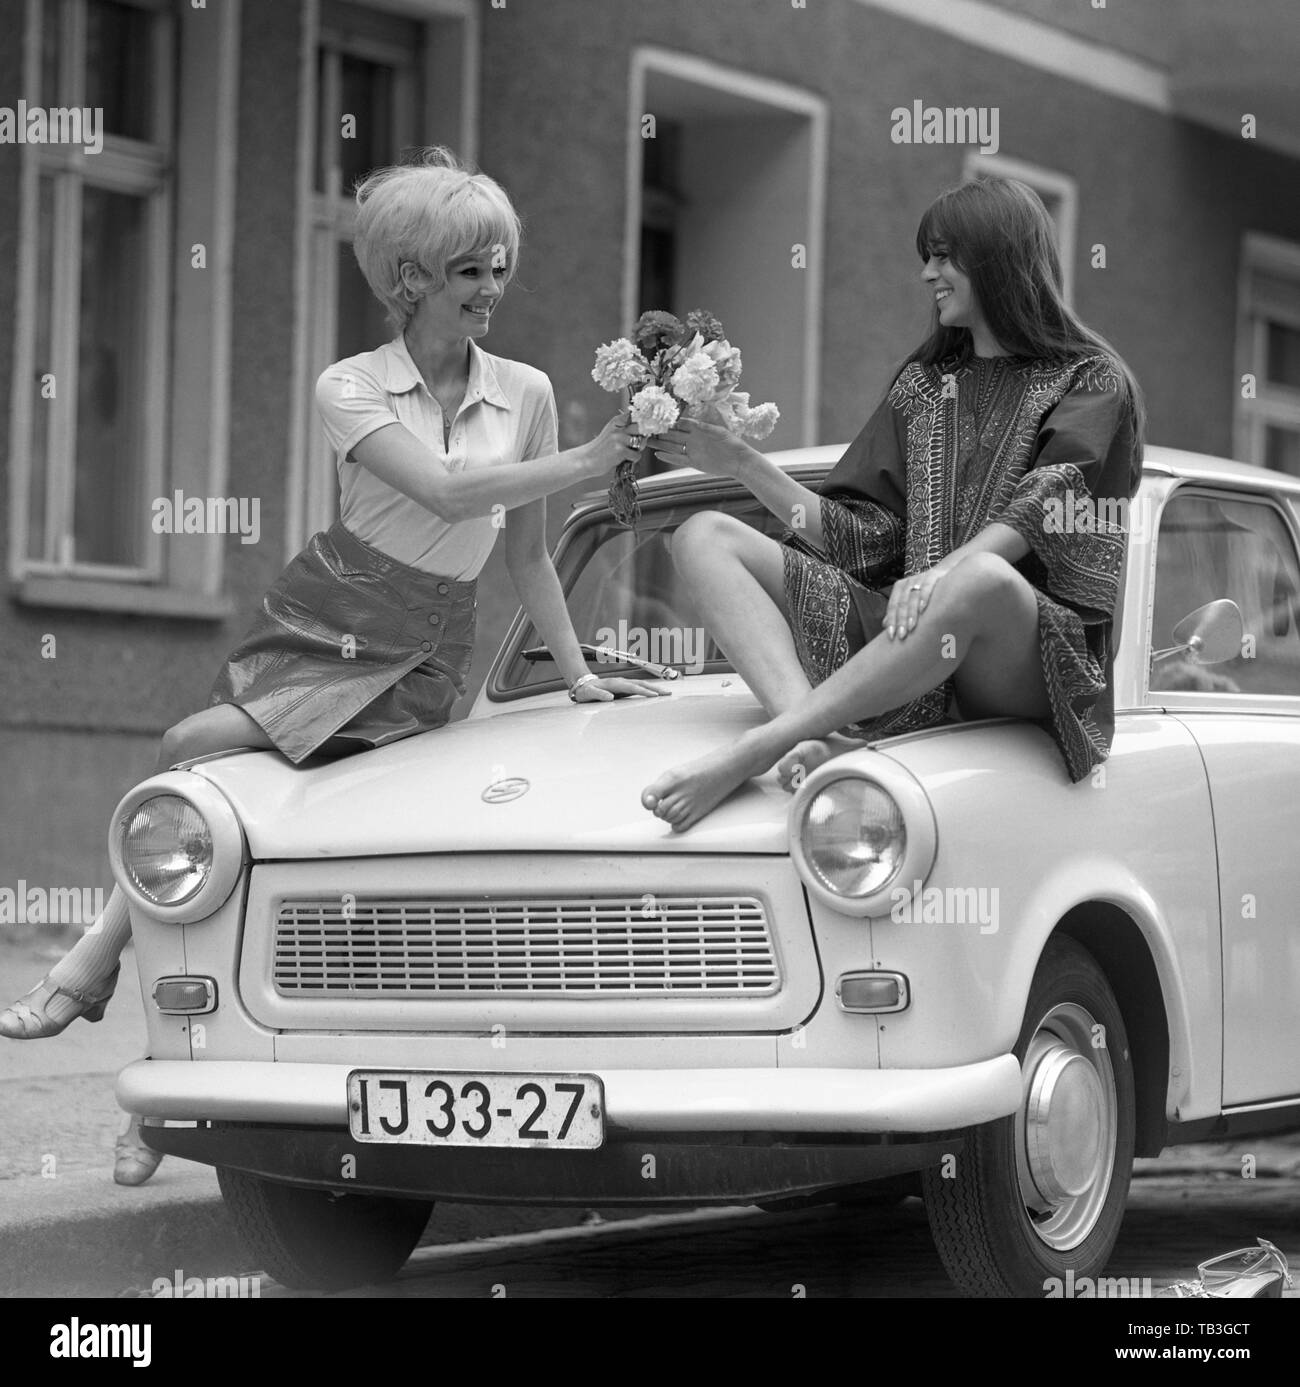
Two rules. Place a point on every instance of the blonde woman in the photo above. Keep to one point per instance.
(440, 447)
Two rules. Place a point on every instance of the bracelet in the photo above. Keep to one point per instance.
(581, 682)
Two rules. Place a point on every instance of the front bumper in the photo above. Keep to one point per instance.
(845, 1101)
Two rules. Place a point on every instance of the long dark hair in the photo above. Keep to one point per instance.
(997, 232)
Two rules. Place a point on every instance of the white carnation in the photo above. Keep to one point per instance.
(695, 380)
(654, 410)
(759, 422)
(619, 365)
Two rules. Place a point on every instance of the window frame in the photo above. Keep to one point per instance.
(188, 353)
(1046, 183)
(1276, 405)
(782, 97)
(1176, 701)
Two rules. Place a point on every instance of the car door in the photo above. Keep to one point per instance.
(1245, 715)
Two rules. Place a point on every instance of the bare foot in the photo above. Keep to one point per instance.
(685, 794)
(798, 764)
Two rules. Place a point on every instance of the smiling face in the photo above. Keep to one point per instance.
(953, 295)
(463, 306)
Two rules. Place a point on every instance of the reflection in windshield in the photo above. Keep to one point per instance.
(624, 593)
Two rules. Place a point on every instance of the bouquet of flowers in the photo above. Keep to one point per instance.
(674, 370)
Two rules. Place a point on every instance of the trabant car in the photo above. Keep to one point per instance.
(470, 966)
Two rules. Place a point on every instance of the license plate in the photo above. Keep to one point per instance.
(547, 1111)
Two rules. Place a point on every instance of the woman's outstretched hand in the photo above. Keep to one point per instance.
(710, 447)
(615, 443)
(603, 690)
(910, 597)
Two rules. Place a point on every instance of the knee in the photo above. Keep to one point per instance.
(980, 588)
(704, 533)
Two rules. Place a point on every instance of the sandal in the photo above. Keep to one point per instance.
(1249, 1273)
(28, 1018)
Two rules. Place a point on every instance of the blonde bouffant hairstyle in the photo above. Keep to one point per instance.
(429, 210)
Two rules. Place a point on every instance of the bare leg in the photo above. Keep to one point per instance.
(736, 575)
(981, 627)
(88, 966)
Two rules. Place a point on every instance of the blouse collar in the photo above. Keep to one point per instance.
(400, 373)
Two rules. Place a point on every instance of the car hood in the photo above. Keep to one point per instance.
(585, 766)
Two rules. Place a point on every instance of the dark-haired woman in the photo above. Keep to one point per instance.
(962, 556)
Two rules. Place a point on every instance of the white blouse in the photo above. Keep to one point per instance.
(508, 415)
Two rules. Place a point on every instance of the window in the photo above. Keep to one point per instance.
(1060, 195)
(1268, 348)
(623, 582)
(1213, 547)
(121, 382)
(713, 153)
(376, 82)
(97, 336)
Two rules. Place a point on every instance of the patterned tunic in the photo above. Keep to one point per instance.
(1046, 447)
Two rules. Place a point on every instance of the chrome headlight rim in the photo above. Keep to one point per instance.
(227, 845)
(921, 834)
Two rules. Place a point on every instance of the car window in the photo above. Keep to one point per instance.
(1212, 547)
(623, 592)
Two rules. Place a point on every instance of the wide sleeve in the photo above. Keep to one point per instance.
(352, 404)
(1071, 506)
(864, 502)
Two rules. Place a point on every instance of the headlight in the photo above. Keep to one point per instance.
(167, 850)
(854, 837)
(858, 839)
(176, 847)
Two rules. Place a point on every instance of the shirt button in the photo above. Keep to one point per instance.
(434, 619)
(443, 589)
(425, 646)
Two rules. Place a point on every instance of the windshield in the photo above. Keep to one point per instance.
(625, 595)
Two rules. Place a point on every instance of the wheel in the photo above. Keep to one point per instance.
(316, 1240)
(1041, 1194)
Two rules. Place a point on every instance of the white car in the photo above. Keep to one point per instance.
(471, 966)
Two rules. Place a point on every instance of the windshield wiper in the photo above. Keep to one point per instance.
(605, 655)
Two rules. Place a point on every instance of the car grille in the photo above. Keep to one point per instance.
(590, 947)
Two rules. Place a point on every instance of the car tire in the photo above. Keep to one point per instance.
(1032, 1204)
(316, 1240)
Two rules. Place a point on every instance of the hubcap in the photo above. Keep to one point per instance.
(1066, 1127)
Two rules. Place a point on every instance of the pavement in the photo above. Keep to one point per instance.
(67, 1229)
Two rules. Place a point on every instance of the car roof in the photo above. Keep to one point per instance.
(814, 462)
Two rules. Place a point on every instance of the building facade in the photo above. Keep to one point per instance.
(175, 269)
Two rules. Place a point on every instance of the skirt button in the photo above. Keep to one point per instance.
(425, 646)
(434, 619)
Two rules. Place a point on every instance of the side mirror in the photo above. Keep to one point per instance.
(1211, 635)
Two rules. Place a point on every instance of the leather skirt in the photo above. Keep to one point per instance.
(351, 644)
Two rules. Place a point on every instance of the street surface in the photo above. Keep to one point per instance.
(1191, 1204)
